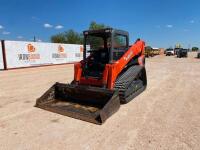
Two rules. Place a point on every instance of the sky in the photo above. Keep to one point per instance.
(160, 23)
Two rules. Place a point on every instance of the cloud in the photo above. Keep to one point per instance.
(20, 37)
(5, 32)
(1, 27)
(39, 40)
(169, 26)
(59, 27)
(192, 21)
(47, 25)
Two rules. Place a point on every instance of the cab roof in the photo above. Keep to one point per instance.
(105, 30)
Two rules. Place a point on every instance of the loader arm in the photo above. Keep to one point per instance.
(115, 69)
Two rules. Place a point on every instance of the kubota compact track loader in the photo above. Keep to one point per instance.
(110, 73)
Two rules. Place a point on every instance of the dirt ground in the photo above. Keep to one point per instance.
(165, 116)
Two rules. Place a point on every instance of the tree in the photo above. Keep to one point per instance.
(73, 37)
(58, 38)
(95, 42)
(68, 37)
(195, 48)
(95, 26)
(148, 48)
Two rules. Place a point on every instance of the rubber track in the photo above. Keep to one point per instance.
(128, 84)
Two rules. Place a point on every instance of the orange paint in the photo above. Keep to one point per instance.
(111, 71)
(60, 49)
(31, 48)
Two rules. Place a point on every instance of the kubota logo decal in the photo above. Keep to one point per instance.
(60, 49)
(80, 54)
(61, 53)
(128, 56)
(31, 48)
(32, 56)
(81, 49)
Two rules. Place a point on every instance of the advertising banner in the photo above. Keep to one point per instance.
(27, 54)
(1, 58)
(66, 53)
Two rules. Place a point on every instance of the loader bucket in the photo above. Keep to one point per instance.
(90, 104)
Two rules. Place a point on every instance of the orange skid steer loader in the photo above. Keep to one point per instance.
(111, 73)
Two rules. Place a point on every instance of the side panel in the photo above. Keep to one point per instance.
(1, 58)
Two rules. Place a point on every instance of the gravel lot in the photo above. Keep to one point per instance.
(165, 116)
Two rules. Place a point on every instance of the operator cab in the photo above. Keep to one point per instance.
(102, 47)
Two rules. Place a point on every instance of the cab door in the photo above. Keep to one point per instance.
(119, 46)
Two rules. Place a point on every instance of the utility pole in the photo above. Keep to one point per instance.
(34, 39)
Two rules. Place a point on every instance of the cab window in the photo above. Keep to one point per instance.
(120, 46)
(120, 42)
